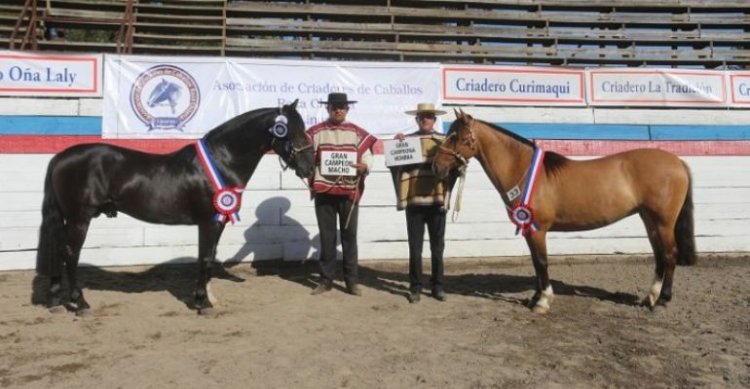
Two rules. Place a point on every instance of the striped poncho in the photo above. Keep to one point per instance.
(345, 136)
(415, 184)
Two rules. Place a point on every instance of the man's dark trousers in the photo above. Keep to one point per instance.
(416, 218)
(329, 208)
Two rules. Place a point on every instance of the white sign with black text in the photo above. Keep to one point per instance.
(338, 163)
(403, 152)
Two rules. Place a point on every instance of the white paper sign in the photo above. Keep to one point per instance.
(740, 88)
(23, 73)
(403, 152)
(338, 163)
(502, 85)
(656, 87)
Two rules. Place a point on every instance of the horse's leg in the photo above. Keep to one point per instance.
(76, 234)
(669, 247)
(537, 242)
(656, 245)
(208, 237)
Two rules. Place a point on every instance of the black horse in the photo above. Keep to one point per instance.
(87, 180)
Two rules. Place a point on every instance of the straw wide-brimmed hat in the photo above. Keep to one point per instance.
(426, 108)
(337, 98)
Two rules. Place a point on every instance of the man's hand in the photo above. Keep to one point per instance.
(399, 136)
(361, 168)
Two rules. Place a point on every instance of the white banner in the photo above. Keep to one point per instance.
(657, 87)
(739, 85)
(184, 97)
(497, 85)
(29, 74)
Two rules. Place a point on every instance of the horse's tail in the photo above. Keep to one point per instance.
(684, 230)
(51, 233)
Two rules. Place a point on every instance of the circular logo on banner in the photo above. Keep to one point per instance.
(521, 215)
(165, 97)
(227, 201)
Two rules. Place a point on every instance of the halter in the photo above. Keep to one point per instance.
(280, 131)
(463, 164)
(522, 215)
(463, 161)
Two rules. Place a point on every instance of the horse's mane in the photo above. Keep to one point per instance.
(236, 121)
(553, 161)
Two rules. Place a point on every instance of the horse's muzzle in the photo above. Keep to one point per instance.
(304, 162)
(441, 172)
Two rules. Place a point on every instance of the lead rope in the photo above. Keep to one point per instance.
(459, 195)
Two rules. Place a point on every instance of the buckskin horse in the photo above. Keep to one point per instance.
(87, 180)
(560, 194)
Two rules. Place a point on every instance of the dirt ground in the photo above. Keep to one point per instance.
(269, 332)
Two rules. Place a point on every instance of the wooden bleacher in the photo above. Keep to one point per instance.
(698, 33)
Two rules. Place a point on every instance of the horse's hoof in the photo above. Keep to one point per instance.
(538, 309)
(207, 311)
(57, 309)
(83, 312)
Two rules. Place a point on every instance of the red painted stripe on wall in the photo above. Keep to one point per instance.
(29, 144)
(603, 147)
(35, 144)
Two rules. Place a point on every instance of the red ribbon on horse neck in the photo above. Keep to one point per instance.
(522, 215)
(226, 200)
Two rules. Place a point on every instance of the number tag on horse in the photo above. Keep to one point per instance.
(513, 193)
(338, 163)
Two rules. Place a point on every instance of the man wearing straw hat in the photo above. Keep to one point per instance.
(343, 158)
(426, 200)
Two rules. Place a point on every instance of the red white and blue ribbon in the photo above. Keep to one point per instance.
(226, 200)
(522, 214)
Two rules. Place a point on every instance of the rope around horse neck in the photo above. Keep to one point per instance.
(459, 196)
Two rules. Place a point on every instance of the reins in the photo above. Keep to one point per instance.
(464, 163)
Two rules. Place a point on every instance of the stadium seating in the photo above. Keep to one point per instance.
(695, 33)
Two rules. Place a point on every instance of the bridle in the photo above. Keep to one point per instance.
(467, 140)
(292, 151)
(280, 131)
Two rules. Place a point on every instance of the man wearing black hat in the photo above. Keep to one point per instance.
(343, 158)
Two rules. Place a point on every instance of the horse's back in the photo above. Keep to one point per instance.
(89, 179)
(595, 192)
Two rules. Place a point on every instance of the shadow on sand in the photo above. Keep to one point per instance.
(178, 278)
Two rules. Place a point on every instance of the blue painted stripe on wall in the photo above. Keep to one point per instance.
(579, 131)
(625, 131)
(664, 132)
(92, 125)
(50, 125)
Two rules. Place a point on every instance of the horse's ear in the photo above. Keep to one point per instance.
(457, 113)
(293, 105)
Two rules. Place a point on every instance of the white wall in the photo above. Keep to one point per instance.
(271, 231)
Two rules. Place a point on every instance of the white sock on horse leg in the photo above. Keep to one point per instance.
(655, 291)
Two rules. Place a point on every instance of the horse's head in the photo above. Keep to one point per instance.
(290, 141)
(459, 146)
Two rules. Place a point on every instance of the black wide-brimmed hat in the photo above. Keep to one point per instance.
(337, 98)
